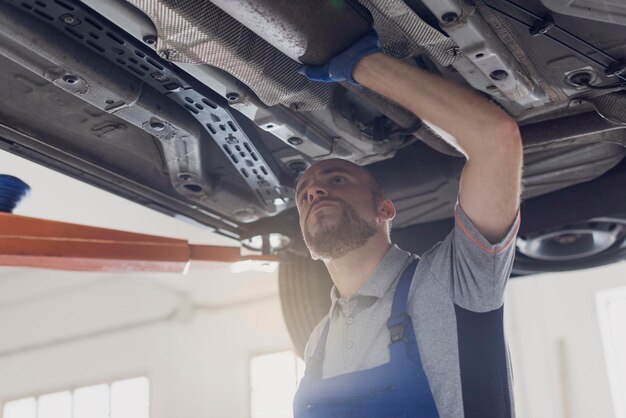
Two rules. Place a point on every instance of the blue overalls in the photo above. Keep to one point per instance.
(398, 389)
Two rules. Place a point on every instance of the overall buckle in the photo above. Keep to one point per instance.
(396, 328)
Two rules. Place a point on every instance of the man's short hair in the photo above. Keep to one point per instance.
(376, 187)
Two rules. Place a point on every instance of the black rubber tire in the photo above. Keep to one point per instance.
(524, 265)
(304, 288)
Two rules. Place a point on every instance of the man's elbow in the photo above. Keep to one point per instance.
(507, 138)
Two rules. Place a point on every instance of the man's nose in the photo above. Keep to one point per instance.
(315, 192)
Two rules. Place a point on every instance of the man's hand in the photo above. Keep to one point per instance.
(340, 67)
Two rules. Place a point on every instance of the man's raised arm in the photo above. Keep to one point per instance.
(491, 180)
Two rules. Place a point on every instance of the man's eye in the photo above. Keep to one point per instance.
(338, 180)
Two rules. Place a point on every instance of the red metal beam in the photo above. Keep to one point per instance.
(40, 243)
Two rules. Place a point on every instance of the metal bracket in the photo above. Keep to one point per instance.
(207, 107)
(487, 64)
(617, 68)
(541, 26)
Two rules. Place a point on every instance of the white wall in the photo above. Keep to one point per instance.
(556, 346)
(110, 327)
(192, 334)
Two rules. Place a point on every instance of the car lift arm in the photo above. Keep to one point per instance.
(40, 243)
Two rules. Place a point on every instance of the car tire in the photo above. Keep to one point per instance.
(553, 255)
(524, 265)
(304, 288)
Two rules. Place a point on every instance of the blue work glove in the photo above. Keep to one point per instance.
(340, 67)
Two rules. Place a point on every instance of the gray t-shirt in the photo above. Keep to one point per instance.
(455, 304)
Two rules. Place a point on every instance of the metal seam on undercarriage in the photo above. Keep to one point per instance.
(200, 32)
(204, 105)
(404, 34)
(611, 107)
(518, 51)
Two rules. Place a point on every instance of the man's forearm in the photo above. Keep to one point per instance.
(491, 178)
(476, 123)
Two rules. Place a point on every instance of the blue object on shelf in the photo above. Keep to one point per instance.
(12, 190)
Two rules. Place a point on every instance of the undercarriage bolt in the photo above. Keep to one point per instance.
(71, 79)
(294, 140)
(580, 79)
(70, 20)
(150, 40)
(499, 75)
(159, 77)
(232, 97)
(450, 17)
(156, 125)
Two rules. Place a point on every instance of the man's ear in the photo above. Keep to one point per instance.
(387, 210)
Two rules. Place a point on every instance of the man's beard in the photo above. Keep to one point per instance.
(348, 234)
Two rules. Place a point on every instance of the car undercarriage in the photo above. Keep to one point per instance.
(197, 109)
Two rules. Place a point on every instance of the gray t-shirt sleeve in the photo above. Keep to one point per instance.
(473, 271)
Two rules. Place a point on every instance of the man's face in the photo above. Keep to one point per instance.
(337, 208)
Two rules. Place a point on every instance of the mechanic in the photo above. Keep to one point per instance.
(409, 336)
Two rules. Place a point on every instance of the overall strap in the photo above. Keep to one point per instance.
(397, 323)
(399, 319)
(315, 363)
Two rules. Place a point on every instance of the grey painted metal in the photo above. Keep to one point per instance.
(309, 32)
(605, 11)
(198, 32)
(283, 123)
(125, 16)
(579, 129)
(404, 34)
(266, 58)
(180, 136)
(441, 8)
(322, 137)
(32, 148)
(485, 55)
